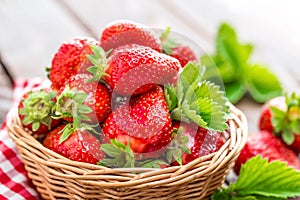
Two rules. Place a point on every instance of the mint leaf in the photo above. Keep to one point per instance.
(235, 91)
(231, 63)
(229, 48)
(262, 84)
(274, 179)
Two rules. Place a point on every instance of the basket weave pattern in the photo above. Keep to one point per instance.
(57, 177)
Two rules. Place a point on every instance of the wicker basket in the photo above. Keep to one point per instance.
(57, 177)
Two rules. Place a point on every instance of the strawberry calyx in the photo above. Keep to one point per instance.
(197, 100)
(168, 43)
(37, 108)
(70, 104)
(120, 155)
(177, 147)
(287, 123)
(98, 59)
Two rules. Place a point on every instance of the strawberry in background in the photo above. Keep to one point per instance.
(122, 32)
(268, 146)
(281, 116)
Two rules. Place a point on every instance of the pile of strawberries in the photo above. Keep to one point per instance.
(131, 99)
(279, 133)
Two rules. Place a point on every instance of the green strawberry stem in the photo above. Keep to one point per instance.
(70, 104)
(168, 43)
(38, 109)
(98, 59)
(121, 156)
(287, 123)
(177, 147)
(197, 100)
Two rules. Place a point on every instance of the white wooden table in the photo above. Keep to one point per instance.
(32, 30)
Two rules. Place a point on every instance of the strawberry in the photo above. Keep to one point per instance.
(121, 32)
(98, 99)
(281, 116)
(80, 145)
(191, 142)
(35, 111)
(268, 146)
(144, 122)
(180, 51)
(69, 60)
(135, 69)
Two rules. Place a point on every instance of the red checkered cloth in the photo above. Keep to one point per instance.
(14, 182)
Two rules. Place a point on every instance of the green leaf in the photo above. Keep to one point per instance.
(120, 155)
(232, 60)
(258, 197)
(277, 119)
(235, 91)
(168, 43)
(209, 108)
(274, 179)
(110, 150)
(229, 48)
(192, 73)
(170, 96)
(198, 110)
(224, 194)
(288, 136)
(66, 132)
(92, 69)
(263, 84)
(35, 126)
(262, 180)
(151, 163)
(98, 59)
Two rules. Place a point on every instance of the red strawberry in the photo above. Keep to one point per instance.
(135, 69)
(145, 122)
(35, 111)
(69, 60)
(184, 54)
(265, 120)
(98, 99)
(80, 145)
(191, 142)
(122, 32)
(268, 146)
(177, 50)
(281, 115)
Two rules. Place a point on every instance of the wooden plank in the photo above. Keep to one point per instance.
(96, 14)
(31, 32)
(274, 35)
